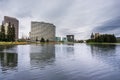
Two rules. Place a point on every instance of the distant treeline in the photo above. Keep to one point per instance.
(108, 38)
(7, 33)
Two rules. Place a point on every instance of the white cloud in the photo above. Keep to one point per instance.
(77, 17)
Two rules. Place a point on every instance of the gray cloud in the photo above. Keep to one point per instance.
(78, 17)
(24, 14)
(109, 25)
(60, 10)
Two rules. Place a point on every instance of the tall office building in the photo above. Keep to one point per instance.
(70, 38)
(12, 21)
(42, 30)
(92, 36)
(96, 35)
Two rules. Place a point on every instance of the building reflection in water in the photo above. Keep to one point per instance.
(70, 49)
(64, 51)
(42, 55)
(103, 50)
(7, 60)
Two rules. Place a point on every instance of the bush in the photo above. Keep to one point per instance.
(42, 40)
(47, 40)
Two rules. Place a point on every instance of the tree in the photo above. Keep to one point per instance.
(2, 33)
(13, 33)
(42, 40)
(0, 36)
(36, 39)
(47, 40)
(109, 38)
(9, 33)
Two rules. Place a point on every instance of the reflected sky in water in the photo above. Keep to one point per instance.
(60, 62)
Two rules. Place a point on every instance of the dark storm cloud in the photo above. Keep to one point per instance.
(109, 25)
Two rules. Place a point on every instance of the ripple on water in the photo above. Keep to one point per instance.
(61, 62)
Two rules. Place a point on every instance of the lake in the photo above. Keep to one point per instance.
(60, 62)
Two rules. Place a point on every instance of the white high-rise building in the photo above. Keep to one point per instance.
(42, 30)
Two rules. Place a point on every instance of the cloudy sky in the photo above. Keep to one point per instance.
(78, 17)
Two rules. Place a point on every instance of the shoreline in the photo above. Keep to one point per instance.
(25, 43)
(13, 43)
(104, 43)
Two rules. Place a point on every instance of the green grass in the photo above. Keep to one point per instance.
(12, 43)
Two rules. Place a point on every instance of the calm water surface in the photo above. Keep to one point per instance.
(60, 62)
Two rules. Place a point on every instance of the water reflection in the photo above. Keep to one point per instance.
(68, 51)
(107, 54)
(103, 50)
(60, 62)
(64, 51)
(42, 55)
(70, 44)
(7, 60)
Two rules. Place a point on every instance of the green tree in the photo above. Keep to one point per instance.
(0, 36)
(47, 40)
(13, 33)
(110, 38)
(9, 32)
(36, 39)
(42, 40)
(2, 33)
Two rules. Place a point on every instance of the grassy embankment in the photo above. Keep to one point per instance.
(13, 43)
(23, 43)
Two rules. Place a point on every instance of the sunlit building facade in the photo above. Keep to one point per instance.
(42, 30)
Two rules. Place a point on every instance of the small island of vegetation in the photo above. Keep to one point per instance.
(102, 38)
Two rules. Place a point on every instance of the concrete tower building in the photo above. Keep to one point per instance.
(42, 30)
(70, 38)
(12, 21)
(92, 36)
(96, 35)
